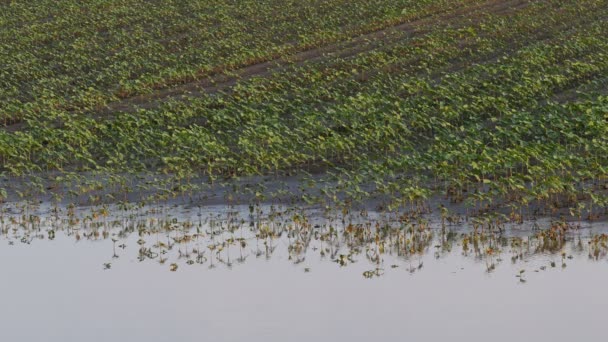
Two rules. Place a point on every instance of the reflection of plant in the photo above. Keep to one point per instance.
(345, 239)
(598, 246)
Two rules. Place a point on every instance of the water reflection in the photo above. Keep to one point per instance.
(229, 237)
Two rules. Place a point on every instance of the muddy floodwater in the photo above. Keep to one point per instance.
(275, 274)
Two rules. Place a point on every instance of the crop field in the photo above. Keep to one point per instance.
(310, 170)
(489, 104)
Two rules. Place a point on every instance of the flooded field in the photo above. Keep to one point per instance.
(386, 170)
(270, 273)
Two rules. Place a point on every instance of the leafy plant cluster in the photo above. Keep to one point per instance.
(78, 56)
(474, 109)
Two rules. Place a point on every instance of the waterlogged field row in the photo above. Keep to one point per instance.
(497, 105)
(177, 237)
